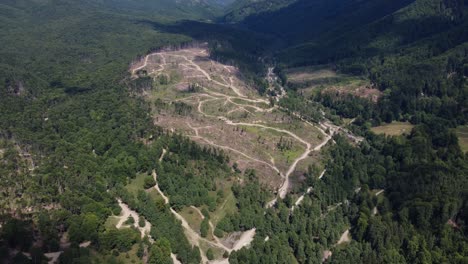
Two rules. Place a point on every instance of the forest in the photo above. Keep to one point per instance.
(75, 134)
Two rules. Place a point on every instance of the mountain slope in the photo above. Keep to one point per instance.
(405, 47)
(67, 123)
(241, 9)
(179, 9)
(305, 20)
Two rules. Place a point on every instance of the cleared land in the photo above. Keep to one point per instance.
(305, 74)
(212, 103)
(393, 129)
(322, 79)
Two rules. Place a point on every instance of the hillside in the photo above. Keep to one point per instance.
(242, 9)
(62, 98)
(403, 47)
(218, 131)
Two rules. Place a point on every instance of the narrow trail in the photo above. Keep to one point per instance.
(301, 198)
(345, 238)
(239, 152)
(260, 101)
(322, 174)
(284, 187)
(282, 191)
(165, 198)
(191, 235)
(142, 66)
(162, 155)
(207, 75)
(209, 222)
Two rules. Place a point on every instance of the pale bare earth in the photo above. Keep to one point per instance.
(301, 198)
(126, 213)
(85, 244)
(53, 257)
(326, 255)
(174, 259)
(345, 238)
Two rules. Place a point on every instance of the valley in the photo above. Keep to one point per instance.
(233, 131)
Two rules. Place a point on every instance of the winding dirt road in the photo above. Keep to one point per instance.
(195, 239)
(213, 96)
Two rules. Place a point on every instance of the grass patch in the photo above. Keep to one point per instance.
(352, 82)
(154, 195)
(217, 252)
(130, 256)
(462, 134)
(111, 222)
(247, 103)
(193, 218)
(262, 131)
(393, 129)
(228, 206)
(308, 74)
(137, 184)
(292, 154)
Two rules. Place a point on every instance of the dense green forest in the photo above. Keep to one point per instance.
(415, 51)
(66, 110)
(74, 134)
